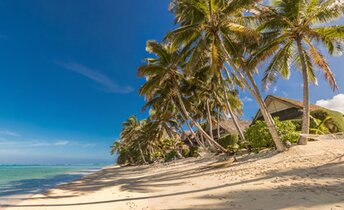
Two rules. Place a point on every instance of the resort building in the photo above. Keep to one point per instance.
(284, 108)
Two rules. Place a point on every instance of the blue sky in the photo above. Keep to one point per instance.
(68, 76)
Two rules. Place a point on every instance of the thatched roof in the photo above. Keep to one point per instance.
(228, 125)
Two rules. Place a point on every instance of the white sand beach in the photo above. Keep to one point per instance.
(305, 177)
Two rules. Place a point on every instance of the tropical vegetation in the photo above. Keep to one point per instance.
(217, 50)
(258, 135)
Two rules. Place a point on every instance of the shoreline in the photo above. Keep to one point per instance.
(309, 177)
(21, 197)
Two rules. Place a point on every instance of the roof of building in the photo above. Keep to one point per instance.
(299, 104)
(291, 102)
(229, 126)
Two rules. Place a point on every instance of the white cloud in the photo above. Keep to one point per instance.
(108, 84)
(336, 103)
(39, 143)
(274, 90)
(61, 143)
(44, 143)
(9, 133)
(247, 99)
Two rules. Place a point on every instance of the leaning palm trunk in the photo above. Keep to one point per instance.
(233, 116)
(141, 152)
(217, 145)
(306, 111)
(256, 94)
(201, 137)
(218, 124)
(187, 137)
(195, 135)
(210, 121)
(267, 116)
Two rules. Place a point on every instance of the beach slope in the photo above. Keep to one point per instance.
(305, 177)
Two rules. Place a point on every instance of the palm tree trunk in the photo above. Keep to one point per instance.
(187, 137)
(218, 124)
(218, 146)
(306, 110)
(256, 94)
(267, 117)
(195, 135)
(141, 152)
(210, 121)
(202, 138)
(233, 116)
(187, 123)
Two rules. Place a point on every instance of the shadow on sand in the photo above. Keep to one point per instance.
(30, 186)
(230, 199)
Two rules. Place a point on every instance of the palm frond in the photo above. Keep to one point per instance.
(241, 30)
(264, 52)
(325, 12)
(280, 63)
(149, 70)
(310, 70)
(236, 5)
(157, 49)
(319, 59)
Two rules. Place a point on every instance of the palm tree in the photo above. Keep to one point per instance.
(116, 147)
(131, 133)
(291, 30)
(212, 96)
(210, 29)
(163, 75)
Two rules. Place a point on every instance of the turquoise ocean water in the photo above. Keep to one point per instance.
(28, 179)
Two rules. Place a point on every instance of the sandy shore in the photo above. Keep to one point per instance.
(305, 177)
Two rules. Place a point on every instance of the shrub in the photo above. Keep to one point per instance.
(335, 124)
(171, 156)
(185, 150)
(230, 142)
(287, 131)
(297, 123)
(258, 135)
(193, 151)
(318, 126)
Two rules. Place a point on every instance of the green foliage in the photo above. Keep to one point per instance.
(171, 156)
(194, 151)
(287, 131)
(186, 70)
(230, 142)
(297, 123)
(283, 44)
(258, 135)
(147, 141)
(335, 124)
(122, 157)
(319, 127)
(185, 150)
